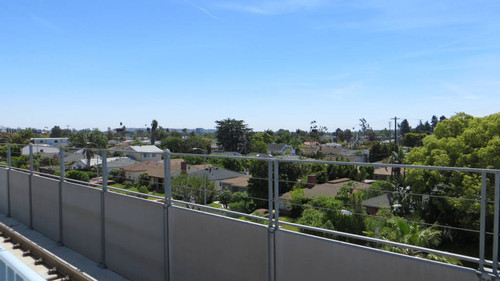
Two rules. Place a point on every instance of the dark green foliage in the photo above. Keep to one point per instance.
(190, 188)
(56, 132)
(242, 206)
(404, 127)
(413, 139)
(224, 198)
(326, 212)
(117, 175)
(289, 173)
(380, 151)
(297, 202)
(77, 175)
(233, 135)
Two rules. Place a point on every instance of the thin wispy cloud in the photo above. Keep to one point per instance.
(45, 23)
(205, 11)
(271, 7)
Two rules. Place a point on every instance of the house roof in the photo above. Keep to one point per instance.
(377, 202)
(117, 162)
(309, 149)
(241, 181)
(145, 148)
(330, 188)
(217, 173)
(41, 148)
(276, 147)
(155, 169)
(328, 150)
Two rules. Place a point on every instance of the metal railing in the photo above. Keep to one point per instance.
(273, 202)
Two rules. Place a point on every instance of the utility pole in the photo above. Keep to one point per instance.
(395, 133)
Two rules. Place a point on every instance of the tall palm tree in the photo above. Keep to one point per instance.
(89, 141)
(397, 157)
(154, 126)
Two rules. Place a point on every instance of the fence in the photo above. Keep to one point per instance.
(166, 239)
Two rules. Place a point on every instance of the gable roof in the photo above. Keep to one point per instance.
(328, 150)
(377, 202)
(330, 188)
(145, 148)
(155, 169)
(276, 147)
(308, 149)
(217, 173)
(241, 181)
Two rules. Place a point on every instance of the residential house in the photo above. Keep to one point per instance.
(155, 171)
(279, 148)
(144, 153)
(238, 184)
(330, 189)
(44, 150)
(373, 205)
(217, 175)
(309, 150)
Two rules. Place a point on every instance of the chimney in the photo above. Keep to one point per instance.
(183, 167)
(312, 180)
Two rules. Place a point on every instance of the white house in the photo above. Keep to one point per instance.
(144, 152)
(44, 149)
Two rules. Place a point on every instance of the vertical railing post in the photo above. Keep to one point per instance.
(104, 165)
(31, 186)
(276, 195)
(205, 179)
(482, 226)
(9, 167)
(496, 224)
(61, 182)
(271, 270)
(167, 186)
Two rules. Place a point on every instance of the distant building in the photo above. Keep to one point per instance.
(144, 153)
(217, 175)
(51, 141)
(155, 171)
(330, 189)
(42, 149)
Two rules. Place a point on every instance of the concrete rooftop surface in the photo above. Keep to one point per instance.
(77, 260)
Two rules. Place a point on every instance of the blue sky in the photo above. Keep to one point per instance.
(274, 64)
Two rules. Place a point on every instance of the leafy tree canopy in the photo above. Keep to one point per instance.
(233, 135)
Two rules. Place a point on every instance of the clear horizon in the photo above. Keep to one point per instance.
(273, 64)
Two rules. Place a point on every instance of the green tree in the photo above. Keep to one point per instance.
(175, 144)
(461, 141)
(225, 198)
(233, 135)
(77, 175)
(413, 139)
(258, 184)
(380, 151)
(401, 231)
(89, 141)
(56, 132)
(404, 127)
(191, 189)
(434, 121)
